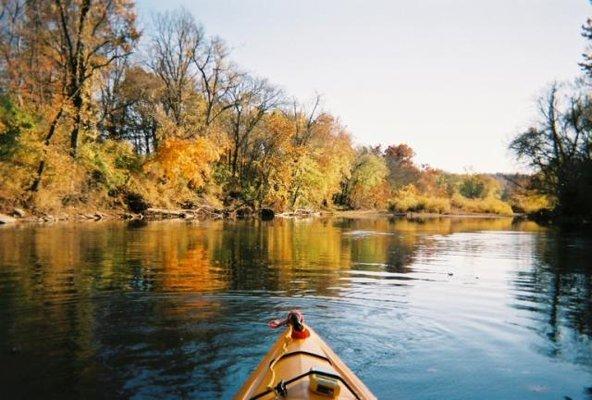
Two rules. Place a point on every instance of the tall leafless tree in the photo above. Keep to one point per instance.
(174, 45)
(251, 99)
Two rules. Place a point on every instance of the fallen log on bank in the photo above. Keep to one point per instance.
(6, 219)
(200, 212)
(300, 213)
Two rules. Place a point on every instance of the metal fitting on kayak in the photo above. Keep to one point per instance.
(325, 384)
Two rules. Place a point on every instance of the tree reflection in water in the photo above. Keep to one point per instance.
(177, 309)
(557, 291)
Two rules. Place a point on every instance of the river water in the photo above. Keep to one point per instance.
(437, 308)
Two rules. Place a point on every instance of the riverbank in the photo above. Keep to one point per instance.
(416, 215)
(19, 215)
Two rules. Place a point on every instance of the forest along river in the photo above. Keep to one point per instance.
(439, 308)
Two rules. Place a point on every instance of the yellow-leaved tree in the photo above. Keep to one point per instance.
(323, 159)
(274, 163)
(185, 161)
(183, 168)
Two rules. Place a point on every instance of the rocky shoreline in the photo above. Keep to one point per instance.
(206, 212)
(18, 215)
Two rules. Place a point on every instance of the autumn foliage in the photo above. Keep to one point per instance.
(92, 114)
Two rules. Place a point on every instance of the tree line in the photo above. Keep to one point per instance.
(95, 112)
(558, 147)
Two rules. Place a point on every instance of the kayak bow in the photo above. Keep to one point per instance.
(300, 365)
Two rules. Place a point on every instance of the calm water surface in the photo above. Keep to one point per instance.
(448, 308)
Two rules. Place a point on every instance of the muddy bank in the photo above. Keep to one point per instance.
(415, 215)
(18, 215)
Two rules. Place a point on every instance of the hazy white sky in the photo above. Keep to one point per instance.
(454, 79)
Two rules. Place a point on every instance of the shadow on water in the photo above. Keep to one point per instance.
(176, 309)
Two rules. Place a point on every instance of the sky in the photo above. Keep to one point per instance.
(454, 79)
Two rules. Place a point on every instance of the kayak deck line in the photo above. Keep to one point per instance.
(300, 352)
(300, 365)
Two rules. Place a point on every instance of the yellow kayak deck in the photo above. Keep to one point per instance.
(290, 358)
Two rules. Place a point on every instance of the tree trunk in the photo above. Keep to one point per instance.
(52, 128)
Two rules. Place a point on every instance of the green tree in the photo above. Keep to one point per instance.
(472, 187)
(367, 187)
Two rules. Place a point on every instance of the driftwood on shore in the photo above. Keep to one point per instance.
(199, 212)
(151, 213)
(300, 213)
(6, 219)
(205, 212)
(209, 212)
